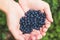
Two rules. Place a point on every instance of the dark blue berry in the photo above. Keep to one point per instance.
(33, 19)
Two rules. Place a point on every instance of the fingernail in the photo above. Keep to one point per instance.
(47, 26)
(52, 20)
(44, 34)
(44, 29)
(39, 36)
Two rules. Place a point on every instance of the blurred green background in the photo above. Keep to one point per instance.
(53, 32)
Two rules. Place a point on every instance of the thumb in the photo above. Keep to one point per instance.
(48, 13)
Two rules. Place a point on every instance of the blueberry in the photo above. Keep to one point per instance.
(33, 19)
(36, 26)
(27, 30)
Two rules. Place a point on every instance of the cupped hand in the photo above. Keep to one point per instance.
(13, 13)
(43, 7)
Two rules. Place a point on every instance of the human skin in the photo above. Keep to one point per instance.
(14, 12)
(43, 7)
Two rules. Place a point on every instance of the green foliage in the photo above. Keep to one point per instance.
(53, 32)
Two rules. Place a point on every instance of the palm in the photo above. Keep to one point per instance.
(15, 12)
(37, 5)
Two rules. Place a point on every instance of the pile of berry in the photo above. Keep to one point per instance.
(33, 19)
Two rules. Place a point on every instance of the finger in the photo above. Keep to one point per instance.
(48, 12)
(47, 24)
(26, 36)
(33, 37)
(33, 34)
(42, 33)
(24, 5)
(37, 34)
(44, 29)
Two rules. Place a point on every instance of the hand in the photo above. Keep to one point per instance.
(13, 13)
(43, 7)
